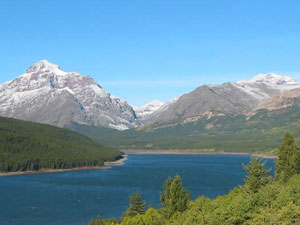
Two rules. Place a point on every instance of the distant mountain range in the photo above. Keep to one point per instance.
(226, 99)
(152, 110)
(148, 109)
(208, 117)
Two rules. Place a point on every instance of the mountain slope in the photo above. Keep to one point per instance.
(227, 99)
(261, 132)
(257, 131)
(283, 100)
(48, 95)
(218, 118)
(146, 110)
(32, 146)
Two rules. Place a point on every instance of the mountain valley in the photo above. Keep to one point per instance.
(226, 117)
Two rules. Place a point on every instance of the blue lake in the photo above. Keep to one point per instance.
(73, 198)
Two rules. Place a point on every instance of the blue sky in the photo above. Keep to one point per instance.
(159, 49)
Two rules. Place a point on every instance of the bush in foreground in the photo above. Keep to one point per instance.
(261, 201)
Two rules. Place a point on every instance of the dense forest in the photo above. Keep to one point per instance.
(262, 200)
(260, 133)
(32, 146)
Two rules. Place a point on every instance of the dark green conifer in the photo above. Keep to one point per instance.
(98, 221)
(257, 175)
(288, 159)
(92, 222)
(136, 205)
(175, 197)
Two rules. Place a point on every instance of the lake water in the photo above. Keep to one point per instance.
(73, 198)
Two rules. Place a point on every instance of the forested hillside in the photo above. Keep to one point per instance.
(31, 146)
(262, 200)
(260, 133)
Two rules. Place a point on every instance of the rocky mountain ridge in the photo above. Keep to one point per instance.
(49, 95)
(145, 110)
(283, 100)
(229, 98)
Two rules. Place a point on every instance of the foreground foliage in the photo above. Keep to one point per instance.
(136, 205)
(289, 159)
(174, 198)
(261, 201)
(31, 146)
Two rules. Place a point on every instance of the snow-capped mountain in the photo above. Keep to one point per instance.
(226, 99)
(153, 109)
(147, 109)
(264, 86)
(166, 105)
(49, 95)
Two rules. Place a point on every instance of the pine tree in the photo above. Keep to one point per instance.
(175, 197)
(98, 221)
(257, 175)
(288, 159)
(136, 205)
(92, 222)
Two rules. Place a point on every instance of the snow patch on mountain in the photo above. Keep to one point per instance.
(45, 66)
(264, 86)
(148, 108)
(153, 109)
(45, 91)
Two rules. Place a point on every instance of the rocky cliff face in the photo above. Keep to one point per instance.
(49, 95)
(283, 100)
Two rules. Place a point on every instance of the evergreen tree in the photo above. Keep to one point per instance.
(136, 205)
(98, 221)
(257, 175)
(175, 197)
(92, 222)
(288, 159)
(31, 146)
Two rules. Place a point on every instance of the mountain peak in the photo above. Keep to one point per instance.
(45, 65)
(148, 108)
(49, 95)
(152, 104)
(271, 78)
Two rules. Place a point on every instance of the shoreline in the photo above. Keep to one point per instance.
(183, 152)
(118, 162)
(107, 165)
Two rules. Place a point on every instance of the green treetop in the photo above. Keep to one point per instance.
(288, 162)
(98, 221)
(175, 197)
(136, 205)
(257, 175)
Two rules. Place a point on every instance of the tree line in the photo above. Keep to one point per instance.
(31, 146)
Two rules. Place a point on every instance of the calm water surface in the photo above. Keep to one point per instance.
(73, 198)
